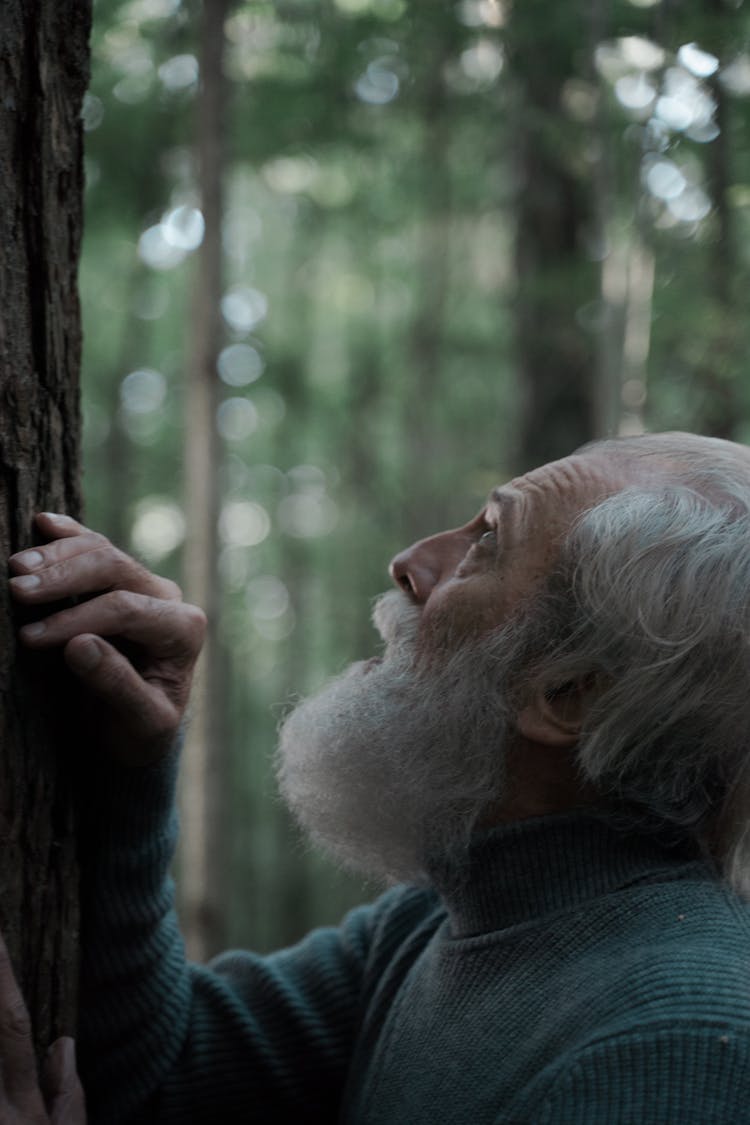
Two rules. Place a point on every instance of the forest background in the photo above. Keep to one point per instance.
(449, 241)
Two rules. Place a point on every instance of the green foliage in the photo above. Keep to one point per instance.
(375, 313)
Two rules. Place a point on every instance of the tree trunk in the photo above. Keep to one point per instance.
(554, 212)
(423, 506)
(43, 75)
(203, 852)
(723, 398)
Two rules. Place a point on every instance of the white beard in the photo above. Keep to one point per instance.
(391, 767)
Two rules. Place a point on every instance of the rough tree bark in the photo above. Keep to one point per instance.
(43, 76)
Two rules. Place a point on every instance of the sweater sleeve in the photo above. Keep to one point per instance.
(247, 1038)
(697, 1074)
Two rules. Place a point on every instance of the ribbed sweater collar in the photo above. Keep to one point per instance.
(531, 868)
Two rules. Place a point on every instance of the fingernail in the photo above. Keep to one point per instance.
(85, 657)
(60, 1060)
(26, 581)
(34, 630)
(68, 1054)
(56, 517)
(30, 559)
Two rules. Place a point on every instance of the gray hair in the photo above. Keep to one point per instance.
(650, 608)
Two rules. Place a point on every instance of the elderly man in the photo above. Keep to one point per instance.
(550, 761)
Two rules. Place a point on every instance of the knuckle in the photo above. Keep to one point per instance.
(122, 564)
(171, 591)
(58, 573)
(126, 603)
(196, 619)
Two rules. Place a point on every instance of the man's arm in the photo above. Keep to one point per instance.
(261, 1039)
(264, 1039)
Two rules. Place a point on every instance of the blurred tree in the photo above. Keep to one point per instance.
(44, 67)
(554, 216)
(203, 845)
(717, 374)
(460, 237)
(425, 351)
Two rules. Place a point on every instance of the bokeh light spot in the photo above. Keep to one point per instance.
(141, 10)
(691, 205)
(143, 390)
(158, 528)
(307, 515)
(735, 76)
(665, 180)
(179, 73)
(278, 629)
(155, 252)
(243, 523)
(92, 112)
(378, 85)
(635, 92)
(236, 419)
(243, 308)
(483, 62)
(267, 597)
(698, 62)
(240, 364)
(183, 227)
(642, 53)
(307, 478)
(290, 175)
(133, 88)
(481, 13)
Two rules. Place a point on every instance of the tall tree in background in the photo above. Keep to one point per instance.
(43, 76)
(722, 405)
(554, 211)
(426, 342)
(386, 161)
(203, 859)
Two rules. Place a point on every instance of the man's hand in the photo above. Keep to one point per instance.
(139, 698)
(21, 1099)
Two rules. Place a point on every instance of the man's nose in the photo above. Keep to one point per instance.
(428, 562)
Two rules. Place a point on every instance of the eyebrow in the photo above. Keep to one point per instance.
(503, 499)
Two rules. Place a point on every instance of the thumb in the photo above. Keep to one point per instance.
(108, 674)
(84, 654)
(63, 1092)
(140, 720)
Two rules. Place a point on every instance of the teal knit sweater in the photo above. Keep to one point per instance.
(577, 976)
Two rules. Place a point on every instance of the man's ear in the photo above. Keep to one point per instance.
(554, 716)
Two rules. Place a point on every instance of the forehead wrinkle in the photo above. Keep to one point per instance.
(586, 477)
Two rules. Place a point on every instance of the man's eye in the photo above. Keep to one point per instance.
(488, 539)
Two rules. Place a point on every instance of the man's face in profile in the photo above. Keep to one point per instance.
(475, 578)
(397, 761)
